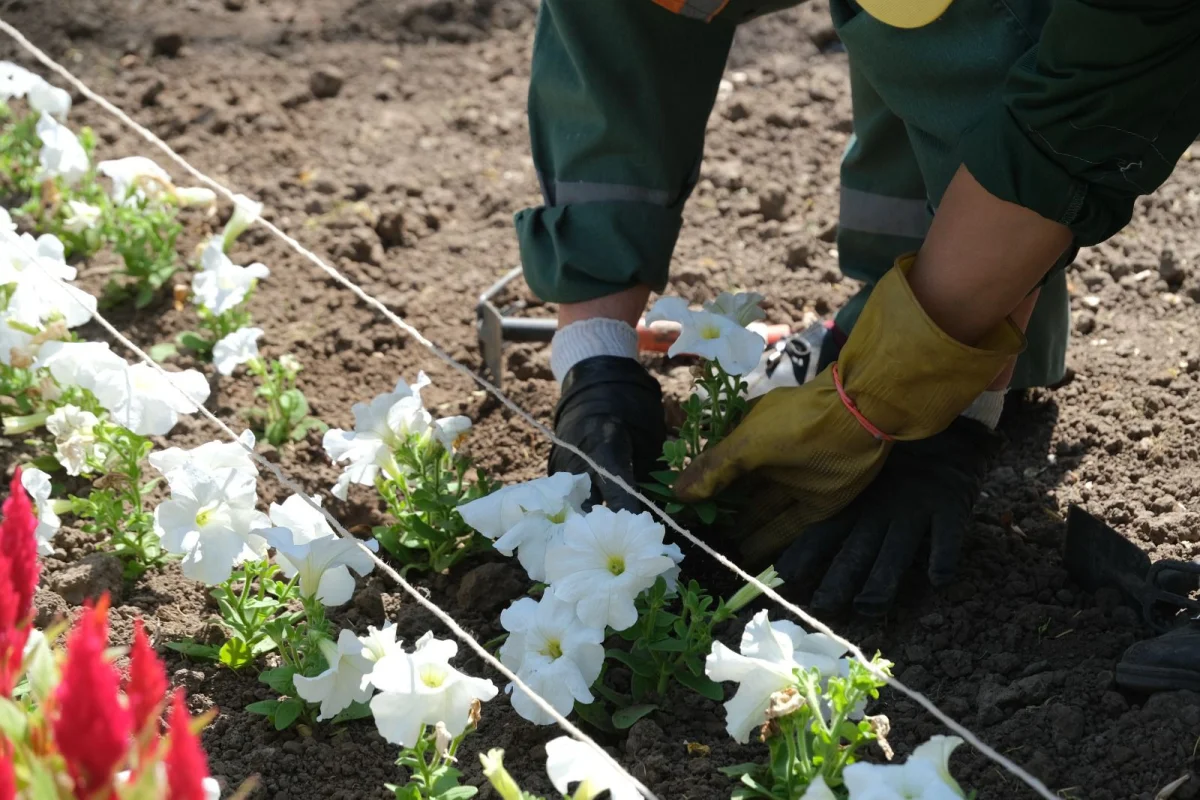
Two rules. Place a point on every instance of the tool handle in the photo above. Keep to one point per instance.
(517, 329)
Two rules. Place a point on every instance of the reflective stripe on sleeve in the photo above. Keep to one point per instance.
(881, 214)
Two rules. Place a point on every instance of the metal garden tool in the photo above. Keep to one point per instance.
(1096, 556)
(495, 328)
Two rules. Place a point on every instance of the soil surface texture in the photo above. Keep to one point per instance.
(389, 137)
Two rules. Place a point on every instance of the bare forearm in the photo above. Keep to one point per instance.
(626, 305)
(982, 258)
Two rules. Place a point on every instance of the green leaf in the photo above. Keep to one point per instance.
(738, 770)
(287, 713)
(640, 666)
(279, 679)
(458, 793)
(674, 508)
(668, 646)
(355, 711)
(623, 718)
(406, 792)
(707, 511)
(701, 684)
(235, 654)
(205, 652)
(265, 707)
(667, 477)
(658, 489)
(595, 715)
(162, 351)
(12, 720)
(190, 340)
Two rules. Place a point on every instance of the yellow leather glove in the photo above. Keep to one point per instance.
(907, 379)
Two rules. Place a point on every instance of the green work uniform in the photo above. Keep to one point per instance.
(1072, 108)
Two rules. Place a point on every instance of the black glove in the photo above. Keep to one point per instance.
(611, 409)
(926, 488)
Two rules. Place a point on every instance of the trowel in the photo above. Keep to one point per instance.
(1096, 556)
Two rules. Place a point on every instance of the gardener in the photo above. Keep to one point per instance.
(1030, 126)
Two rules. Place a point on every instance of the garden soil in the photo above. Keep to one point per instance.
(389, 137)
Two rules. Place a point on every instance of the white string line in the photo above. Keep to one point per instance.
(968, 736)
(299, 491)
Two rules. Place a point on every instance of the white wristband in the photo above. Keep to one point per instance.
(588, 338)
(986, 408)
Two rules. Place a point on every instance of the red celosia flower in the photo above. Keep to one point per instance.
(91, 726)
(146, 687)
(187, 766)
(18, 580)
(19, 545)
(8, 781)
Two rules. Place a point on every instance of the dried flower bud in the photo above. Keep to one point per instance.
(769, 730)
(181, 292)
(784, 703)
(474, 714)
(881, 726)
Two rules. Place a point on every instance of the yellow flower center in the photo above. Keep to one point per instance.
(204, 516)
(558, 518)
(431, 676)
(552, 649)
(710, 332)
(616, 565)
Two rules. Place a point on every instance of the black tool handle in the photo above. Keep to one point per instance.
(516, 329)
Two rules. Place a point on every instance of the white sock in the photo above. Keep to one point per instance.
(987, 408)
(587, 338)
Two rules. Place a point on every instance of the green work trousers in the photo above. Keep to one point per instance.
(1072, 108)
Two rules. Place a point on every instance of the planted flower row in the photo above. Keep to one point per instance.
(605, 596)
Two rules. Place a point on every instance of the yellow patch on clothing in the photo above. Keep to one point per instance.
(905, 13)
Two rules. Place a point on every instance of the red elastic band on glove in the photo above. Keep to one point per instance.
(853, 409)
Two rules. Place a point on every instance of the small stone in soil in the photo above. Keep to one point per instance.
(48, 606)
(167, 44)
(326, 81)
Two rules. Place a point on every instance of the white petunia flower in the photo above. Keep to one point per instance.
(743, 307)
(81, 216)
(323, 564)
(528, 517)
(818, 790)
(39, 269)
(79, 363)
(235, 349)
(380, 643)
(554, 653)
(136, 178)
(188, 196)
(917, 779)
(74, 441)
(221, 285)
(15, 81)
(211, 521)
(49, 99)
(450, 431)
(604, 560)
(37, 483)
(937, 751)
(208, 457)
(245, 212)
(342, 683)
(770, 652)
(711, 336)
(671, 576)
(305, 522)
(148, 402)
(569, 761)
(421, 688)
(380, 427)
(62, 155)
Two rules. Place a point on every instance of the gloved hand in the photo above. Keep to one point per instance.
(898, 378)
(926, 489)
(611, 409)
